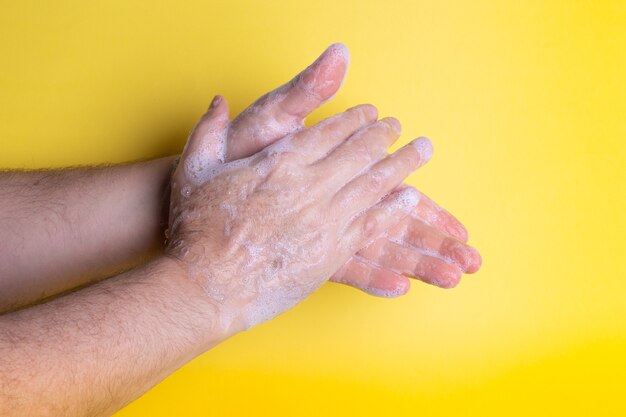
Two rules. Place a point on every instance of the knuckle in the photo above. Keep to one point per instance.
(375, 181)
(370, 225)
(276, 165)
(332, 127)
(367, 148)
(360, 151)
(378, 148)
(405, 159)
(380, 178)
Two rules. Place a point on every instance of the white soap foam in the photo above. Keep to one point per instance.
(425, 148)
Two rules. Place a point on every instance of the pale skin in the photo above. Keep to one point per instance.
(251, 233)
(296, 222)
(63, 228)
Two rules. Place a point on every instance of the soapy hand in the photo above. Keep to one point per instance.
(430, 244)
(261, 233)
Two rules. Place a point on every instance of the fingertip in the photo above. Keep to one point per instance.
(403, 286)
(337, 50)
(207, 141)
(448, 280)
(215, 102)
(326, 75)
(465, 257)
(217, 111)
(220, 105)
(424, 147)
(476, 262)
(451, 279)
(448, 285)
(341, 50)
(393, 123)
(370, 111)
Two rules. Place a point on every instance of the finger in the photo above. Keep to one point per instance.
(369, 187)
(318, 140)
(414, 262)
(360, 273)
(351, 156)
(368, 225)
(433, 214)
(282, 111)
(205, 147)
(420, 235)
(438, 217)
(414, 233)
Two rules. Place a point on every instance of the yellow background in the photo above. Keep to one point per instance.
(526, 105)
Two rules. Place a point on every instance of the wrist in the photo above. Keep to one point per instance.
(166, 189)
(223, 321)
(212, 319)
(157, 174)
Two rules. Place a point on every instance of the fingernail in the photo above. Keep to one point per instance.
(340, 49)
(216, 101)
(424, 147)
(393, 123)
(368, 109)
(337, 49)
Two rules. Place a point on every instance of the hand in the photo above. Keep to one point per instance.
(410, 248)
(261, 233)
(429, 245)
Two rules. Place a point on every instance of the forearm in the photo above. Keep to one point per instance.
(64, 228)
(92, 351)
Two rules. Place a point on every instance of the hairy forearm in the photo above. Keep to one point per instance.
(94, 350)
(65, 228)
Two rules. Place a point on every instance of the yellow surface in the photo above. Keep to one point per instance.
(526, 105)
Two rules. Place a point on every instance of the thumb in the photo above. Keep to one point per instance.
(282, 111)
(205, 146)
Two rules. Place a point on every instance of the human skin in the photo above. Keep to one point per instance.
(429, 245)
(67, 228)
(248, 239)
